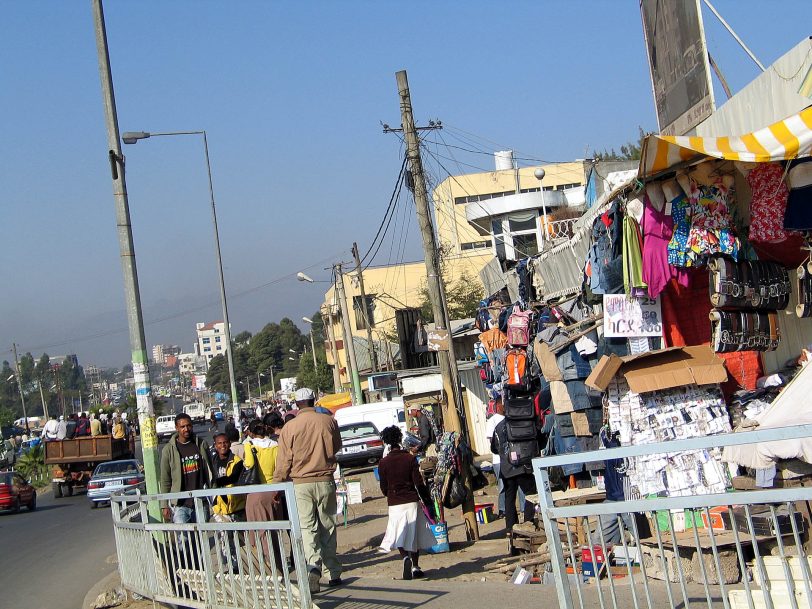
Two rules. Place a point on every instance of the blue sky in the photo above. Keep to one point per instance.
(292, 95)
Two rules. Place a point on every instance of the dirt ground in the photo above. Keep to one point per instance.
(359, 540)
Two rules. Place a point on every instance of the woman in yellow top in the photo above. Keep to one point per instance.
(260, 506)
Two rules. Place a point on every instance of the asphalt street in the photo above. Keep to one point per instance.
(51, 557)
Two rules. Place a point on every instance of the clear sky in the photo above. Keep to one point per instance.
(292, 95)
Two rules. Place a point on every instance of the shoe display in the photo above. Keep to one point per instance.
(407, 568)
(314, 580)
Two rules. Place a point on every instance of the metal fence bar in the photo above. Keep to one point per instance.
(716, 561)
(784, 563)
(636, 533)
(553, 540)
(802, 559)
(208, 564)
(664, 562)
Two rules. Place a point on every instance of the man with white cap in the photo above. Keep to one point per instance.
(307, 455)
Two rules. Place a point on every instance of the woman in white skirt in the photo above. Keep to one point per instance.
(408, 529)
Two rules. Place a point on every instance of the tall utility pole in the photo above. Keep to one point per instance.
(20, 386)
(138, 346)
(373, 355)
(349, 346)
(454, 416)
(331, 336)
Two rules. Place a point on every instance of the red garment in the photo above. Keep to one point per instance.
(769, 203)
(686, 323)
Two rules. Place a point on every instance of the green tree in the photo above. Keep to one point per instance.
(318, 378)
(242, 338)
(318, 330)
(462, 298)
(31, 464)
(27, 366)
(272, 346)
(217, 378)
(7, 416)
(630, 151)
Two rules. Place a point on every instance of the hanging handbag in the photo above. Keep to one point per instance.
(250, 475)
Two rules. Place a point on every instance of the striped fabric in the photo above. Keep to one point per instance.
(787, 139)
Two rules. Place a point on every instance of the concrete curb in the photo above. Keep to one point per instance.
(107, 583)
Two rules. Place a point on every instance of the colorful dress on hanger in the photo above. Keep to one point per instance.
(657, 228)
(706, 211)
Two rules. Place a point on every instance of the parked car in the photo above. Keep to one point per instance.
(125, 476)
(362, 444)
(165, 426)
(15, 492)
(380, 414)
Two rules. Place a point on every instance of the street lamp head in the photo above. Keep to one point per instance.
(292, 350)
(132, 137)
(293, 359)
(302, 277)
(539, 173)
(9, 378)
(307, 320)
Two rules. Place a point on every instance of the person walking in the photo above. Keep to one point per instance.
(263, 506)
(307, 455)
(516, 473)
(226, 469)
(184, 467)
(403, 487)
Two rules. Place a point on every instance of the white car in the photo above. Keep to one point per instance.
(165, 426)
(196, 410)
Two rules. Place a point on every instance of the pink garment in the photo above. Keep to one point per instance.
(657, 228)
(769, 203)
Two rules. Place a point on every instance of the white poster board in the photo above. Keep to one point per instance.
(625, 317)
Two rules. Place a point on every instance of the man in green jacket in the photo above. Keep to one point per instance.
(184, 467)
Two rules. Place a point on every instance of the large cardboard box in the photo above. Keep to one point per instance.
(661, 369)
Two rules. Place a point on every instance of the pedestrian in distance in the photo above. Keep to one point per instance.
(119, 432)
(307, 455)
(424, 431)
(273, 424)
(51, 429)
(95, 425)
(404, 489)
(213, 422)
(62, 429)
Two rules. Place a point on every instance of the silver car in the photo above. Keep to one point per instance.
(125, 476)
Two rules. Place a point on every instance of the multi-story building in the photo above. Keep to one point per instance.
(502, 213)
(189, 363)
(161, 352)
(211, 340)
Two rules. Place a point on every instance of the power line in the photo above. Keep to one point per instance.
(392, 202)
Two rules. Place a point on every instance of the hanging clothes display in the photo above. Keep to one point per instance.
(769, 203)
(702, 225)
(657, 228)
(633, 283)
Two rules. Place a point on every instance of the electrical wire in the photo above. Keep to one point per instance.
(388, 213)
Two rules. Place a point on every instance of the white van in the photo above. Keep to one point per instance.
(380, 414)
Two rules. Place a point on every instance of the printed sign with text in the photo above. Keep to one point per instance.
(625, 317)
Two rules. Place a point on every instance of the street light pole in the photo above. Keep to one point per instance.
(143, 388)
(349, 346)
(307, 320)
(540, 173)
(132, 138)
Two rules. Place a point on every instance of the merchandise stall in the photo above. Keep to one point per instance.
(679, 309)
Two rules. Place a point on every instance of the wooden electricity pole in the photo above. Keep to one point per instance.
(454, 415)
(373, 355)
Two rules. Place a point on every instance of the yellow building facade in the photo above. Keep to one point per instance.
(477, 216)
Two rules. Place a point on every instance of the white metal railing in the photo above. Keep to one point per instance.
(205, 564)
(732, 550)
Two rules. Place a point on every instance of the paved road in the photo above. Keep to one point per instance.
(53, 556)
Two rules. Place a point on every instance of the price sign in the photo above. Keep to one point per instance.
(625, 317)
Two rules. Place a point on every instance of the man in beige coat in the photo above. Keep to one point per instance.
(307, 456)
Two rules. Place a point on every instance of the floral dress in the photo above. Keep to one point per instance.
(705, 211)
(769, 204)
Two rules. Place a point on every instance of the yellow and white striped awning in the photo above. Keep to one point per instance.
(786, 139)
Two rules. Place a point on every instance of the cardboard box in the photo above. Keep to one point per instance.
(661, 369)
(719, 519)
(592, 559)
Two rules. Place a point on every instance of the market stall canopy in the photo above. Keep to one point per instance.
(334, 401)
(787, 139)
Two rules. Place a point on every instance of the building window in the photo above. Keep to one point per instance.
(217, 339)
(360, 322)
(206, 348)
(206, 341)
(216, 330)
(219, 348)
(476, 245)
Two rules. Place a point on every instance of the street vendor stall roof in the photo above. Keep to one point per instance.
(786, 139)
(662, 369)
